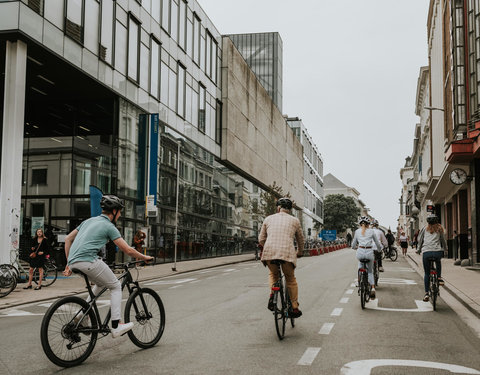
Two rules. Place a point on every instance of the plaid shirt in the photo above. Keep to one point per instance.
(276, 237)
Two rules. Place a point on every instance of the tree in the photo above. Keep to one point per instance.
(268, 200)
(341, 213)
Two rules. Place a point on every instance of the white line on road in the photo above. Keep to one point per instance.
(352, 285)
(308, 357)
(176, 286)
(344, 300)
(195, 281)
(349, 291)
(421, 307)
(211, 277)
(337, 311)
(326, 328)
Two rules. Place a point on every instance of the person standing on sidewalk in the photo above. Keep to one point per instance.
(81, 248)
(431, 243)
(276, 237)
(403, 239)
(39, 251)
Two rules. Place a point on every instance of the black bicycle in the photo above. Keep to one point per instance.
(281, 301)
(71, 325)
(434, 286)
(376, 272)
(363, 284)
(390, 252)
(8, 280)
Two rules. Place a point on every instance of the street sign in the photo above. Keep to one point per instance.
(151, 206)
(329, 235)
(430, 208)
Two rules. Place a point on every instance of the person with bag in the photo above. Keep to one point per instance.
(38, 252)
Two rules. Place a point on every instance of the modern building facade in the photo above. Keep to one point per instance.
(312, 179)
(124, 95)
(263, 53)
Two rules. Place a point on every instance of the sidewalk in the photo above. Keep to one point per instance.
(460, 282)
(76, 284)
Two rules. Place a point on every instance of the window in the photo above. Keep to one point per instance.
(182, 25)
(174, 20)
(189, 38)
(156, 10)
(201, 109)
(458, 31)
(218, 122)
(106, 31)
(166, 15)
(36, 5)
(181, 83)
(39, 176)
(92, 16)
(208, 55)
(196, 39)
(74, 20)
(38, 210)
(133, 47)
(154, 67)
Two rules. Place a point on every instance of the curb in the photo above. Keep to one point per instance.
(454, 292)
(83, 290)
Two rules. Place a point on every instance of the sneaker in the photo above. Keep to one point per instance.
(271, 306)
(372, 293)
(380, 269)
(356, 283)
(440, 281)
(121, 329)
(296, 313)
(426, 298)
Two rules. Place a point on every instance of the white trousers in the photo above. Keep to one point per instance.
(367, 254)
(100, 274)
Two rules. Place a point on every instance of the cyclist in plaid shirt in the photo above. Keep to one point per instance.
(276, 236)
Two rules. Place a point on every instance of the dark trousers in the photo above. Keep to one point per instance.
(378, 257)
(426, 266)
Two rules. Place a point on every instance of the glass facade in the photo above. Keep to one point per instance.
(263, 53)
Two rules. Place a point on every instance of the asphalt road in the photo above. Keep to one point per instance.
(218, 323)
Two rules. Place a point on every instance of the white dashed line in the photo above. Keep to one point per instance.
(349, 291)
(176, 286)
(196, 281)
(337, 311)
(326, 328)
(308, 357)
(211, 277)
(344, 300)
(352, 285)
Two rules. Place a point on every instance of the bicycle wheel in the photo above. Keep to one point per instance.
(363, 287)
(289, 308)
(145, 308)
(8, 280)
(50, 274)
(63, 343)
(375, 273)
(433, 291)
(279, 313)
(393, 255)
(384, 255)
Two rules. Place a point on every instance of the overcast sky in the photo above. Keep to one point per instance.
(350, 71)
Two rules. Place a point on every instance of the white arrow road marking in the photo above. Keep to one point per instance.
(337, 311)
(326, 328)
(364, 367)
(396, 281)
(421, 307)
(168, 282)
(308, 357)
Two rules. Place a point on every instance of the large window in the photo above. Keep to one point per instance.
(164, 83)
(182, 25)
(92, 15)
(133, 47)
(459, 68)
(201, 108)
(196, 38)
(106, 31)
(166, 15)
(218, 122)
(74, 20)
(181, 83)
(174, 20)
(211, 56)
(154, 67)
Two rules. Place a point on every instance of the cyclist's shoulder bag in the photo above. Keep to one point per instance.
(34, 254)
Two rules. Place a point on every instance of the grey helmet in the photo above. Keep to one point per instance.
(285, 203)
(109, 203)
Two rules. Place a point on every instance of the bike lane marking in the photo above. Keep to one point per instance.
(337, 311)
(364, 367)
(344, 300)
(168, 282)
(326, 328)
(393, 281)
(421, 307)
(349, 291)
(308, 357)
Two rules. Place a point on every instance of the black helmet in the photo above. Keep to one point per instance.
(375, 222)
(110, 203)
(432, 219)
(285, 203)
(364, 219)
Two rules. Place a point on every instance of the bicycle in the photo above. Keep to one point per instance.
(363, 284)
(434, 286)
(376, 272)
(71, 325)
(50, 270)
(390, 252)
(8, 280)
(282, 304)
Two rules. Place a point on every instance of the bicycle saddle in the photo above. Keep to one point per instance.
(74, 270)
(364, 260)
(277, 261)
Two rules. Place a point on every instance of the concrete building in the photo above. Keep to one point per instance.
(333, 185)
(128, 97)
(312, 179)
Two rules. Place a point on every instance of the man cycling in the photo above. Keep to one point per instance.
(81, 248)
(383, 241)
(276, 236)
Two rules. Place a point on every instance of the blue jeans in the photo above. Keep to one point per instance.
(426, 266)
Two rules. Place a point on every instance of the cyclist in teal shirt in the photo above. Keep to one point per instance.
(82, 246)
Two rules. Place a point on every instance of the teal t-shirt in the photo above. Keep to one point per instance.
(92, 235)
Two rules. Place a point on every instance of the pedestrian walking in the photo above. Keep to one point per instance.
(349, 239)
(403, 239)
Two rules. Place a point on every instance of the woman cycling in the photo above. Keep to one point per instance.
(431, 243)
(363, 242)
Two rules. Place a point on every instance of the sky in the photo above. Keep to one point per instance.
(350, 72)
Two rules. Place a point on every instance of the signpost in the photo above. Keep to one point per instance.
(328, 235)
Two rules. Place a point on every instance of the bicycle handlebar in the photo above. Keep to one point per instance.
(130, 264)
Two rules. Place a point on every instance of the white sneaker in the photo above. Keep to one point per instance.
(372, 293)
(121, 329)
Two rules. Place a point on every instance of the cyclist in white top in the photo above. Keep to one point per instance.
(363, 241)
(383, 240)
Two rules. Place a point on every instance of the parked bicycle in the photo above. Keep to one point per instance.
(282, 304)
(390, 252)
(50, 270)
(71, 325)
(434, 286)
(8, 280)
(363, 284)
